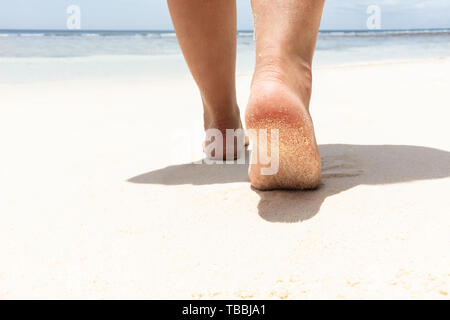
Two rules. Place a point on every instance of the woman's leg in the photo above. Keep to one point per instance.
(206, 31)
(285, 33)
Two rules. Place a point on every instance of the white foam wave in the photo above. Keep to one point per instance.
(31, 34)
(168, 35)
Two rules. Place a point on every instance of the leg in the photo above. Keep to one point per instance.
(285, 32)
(206, 31)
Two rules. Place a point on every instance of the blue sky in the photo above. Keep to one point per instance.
(152, 14)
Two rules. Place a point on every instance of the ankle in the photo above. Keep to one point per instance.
(293, 71)
(221, 116)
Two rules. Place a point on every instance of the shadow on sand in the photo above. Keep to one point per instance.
(343, 167)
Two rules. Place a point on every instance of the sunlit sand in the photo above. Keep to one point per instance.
(94, 204)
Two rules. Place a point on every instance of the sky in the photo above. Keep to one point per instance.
(153, 14)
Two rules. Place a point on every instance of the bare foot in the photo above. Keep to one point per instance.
(221, 122)
(280, 100)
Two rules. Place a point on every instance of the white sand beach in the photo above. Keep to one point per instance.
(93, 204)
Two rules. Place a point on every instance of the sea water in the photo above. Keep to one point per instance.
(36, 54)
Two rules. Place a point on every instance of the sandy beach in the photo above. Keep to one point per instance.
(99, 200)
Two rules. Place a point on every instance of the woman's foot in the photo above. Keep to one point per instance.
(216, 122)
(280, 100)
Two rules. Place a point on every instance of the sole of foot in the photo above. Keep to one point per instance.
(274, 105)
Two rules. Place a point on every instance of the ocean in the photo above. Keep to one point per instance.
(157, 52)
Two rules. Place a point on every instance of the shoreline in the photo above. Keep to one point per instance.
(383, 62)
(25, 70)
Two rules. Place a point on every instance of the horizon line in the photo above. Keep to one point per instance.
(241, 30)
